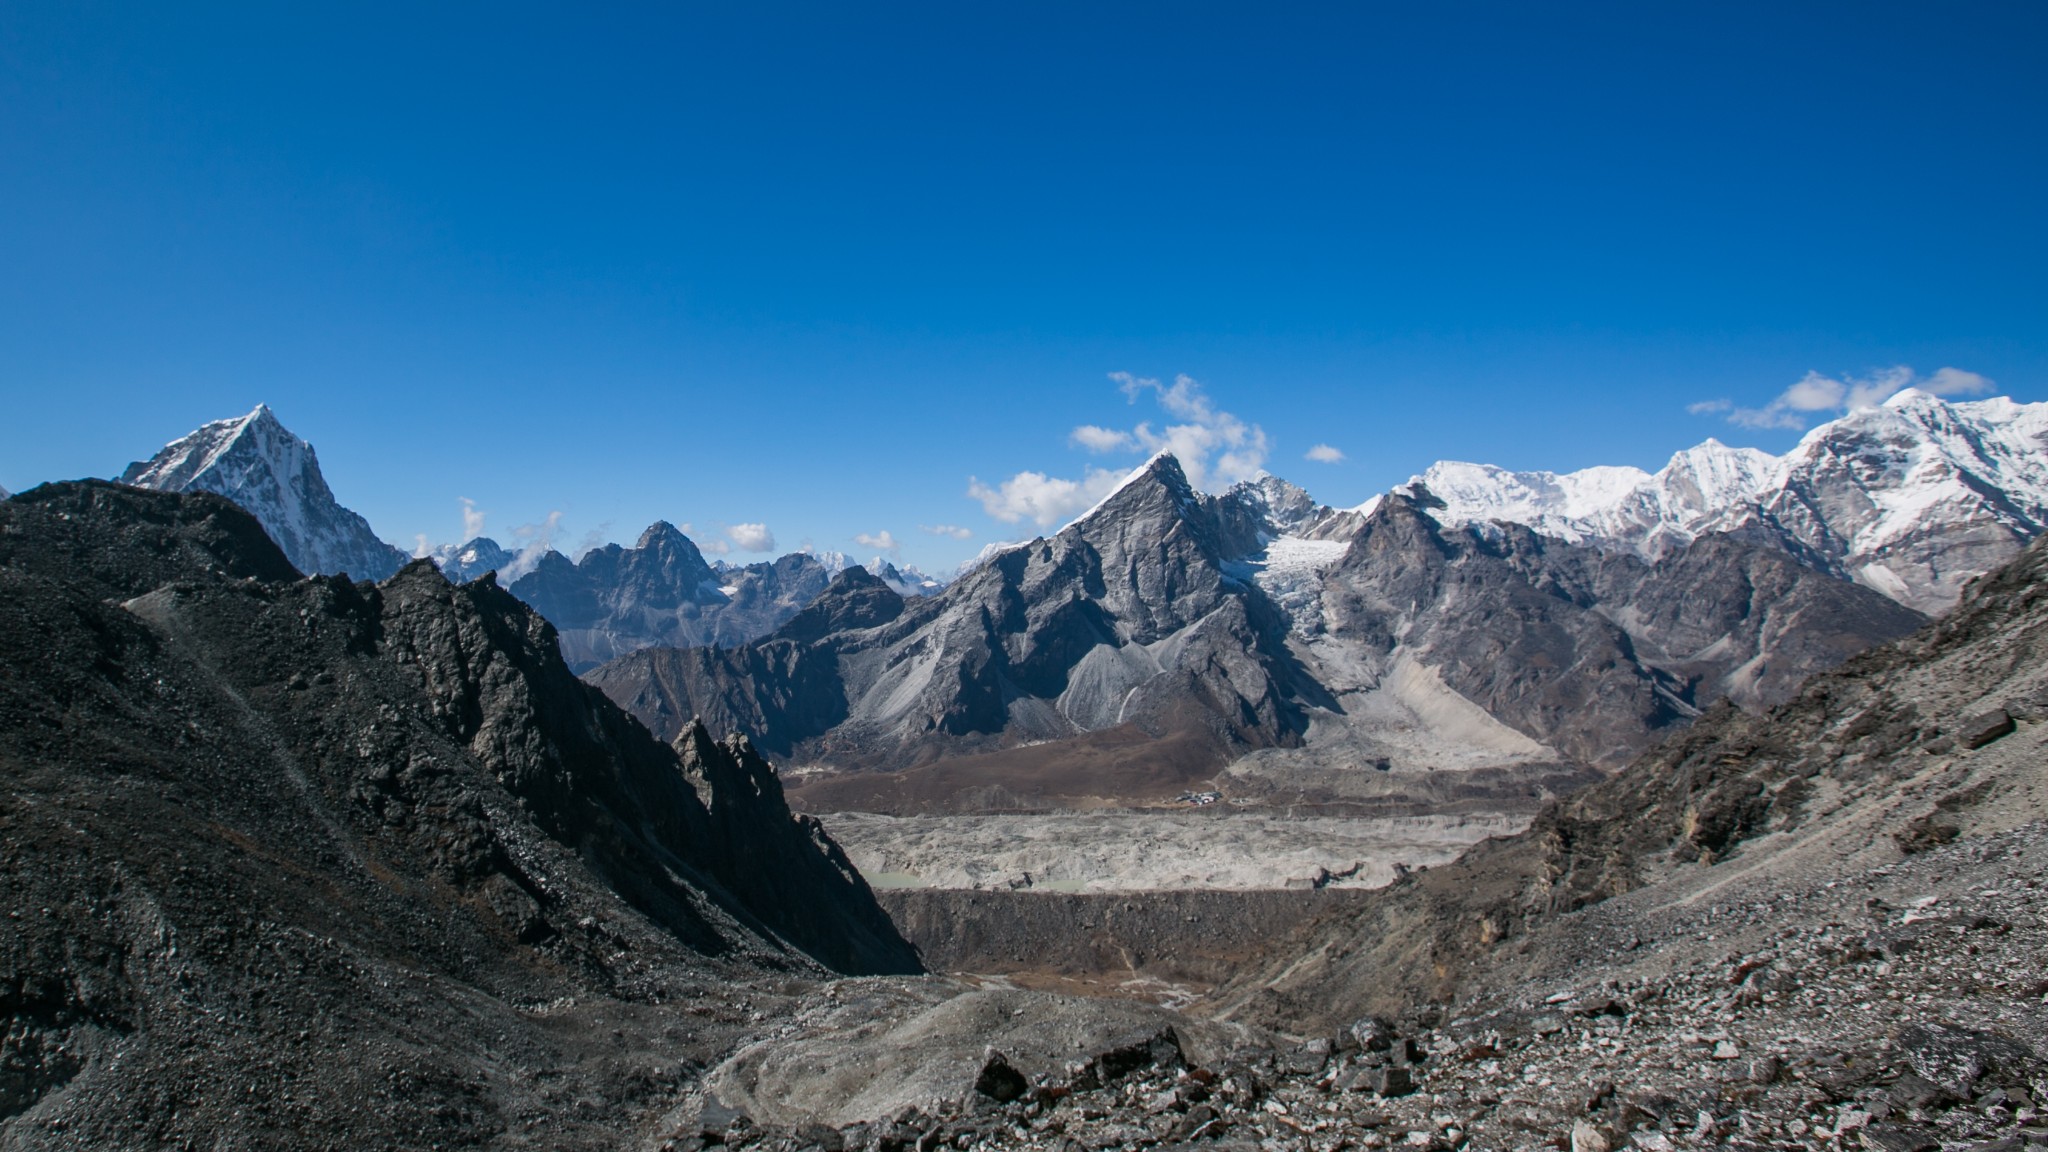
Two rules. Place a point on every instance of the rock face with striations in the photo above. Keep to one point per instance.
(256, 462)
(370, 850)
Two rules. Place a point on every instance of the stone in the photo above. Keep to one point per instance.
(1392, 1080)
(1983, 728)
(716, 1118)
(1160, 1049)
(822, 1136)
(1587, 1137)
(1912, 1090)
(1201, 1120)
(1372, 1034)
(1956, 1058)
(1899, 1138)
(998, 1080)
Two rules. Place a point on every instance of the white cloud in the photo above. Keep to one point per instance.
(591, 541)
(751, 537)
(1324, 454)
(1215, 449)
(1956, 382)
(1043, 500)
(1097, 439)
(472, 520)
(535, 541)
(1815, 393)
(714, 548)
(883, 541)
(953, 530)
(1705, 407)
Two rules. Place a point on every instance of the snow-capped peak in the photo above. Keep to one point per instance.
(256, 462)
(1151, 465)
(1912, 497)
(470, 559)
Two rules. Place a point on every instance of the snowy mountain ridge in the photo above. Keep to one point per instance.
(1911, 498)
(256, 462)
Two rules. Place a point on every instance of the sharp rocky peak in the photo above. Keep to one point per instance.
(661, 533)
(255, 461)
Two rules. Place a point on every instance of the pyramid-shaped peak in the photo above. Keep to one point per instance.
(661, 531)
(1159, 478)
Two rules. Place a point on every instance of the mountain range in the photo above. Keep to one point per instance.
(304, 859)
(1913, 497)
(1167, 633)
(1514, 626)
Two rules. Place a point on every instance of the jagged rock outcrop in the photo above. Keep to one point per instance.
(256, 462)
(369, 853)
(660, 592)
(1125, 621)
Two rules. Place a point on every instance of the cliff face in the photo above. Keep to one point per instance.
(356, 838)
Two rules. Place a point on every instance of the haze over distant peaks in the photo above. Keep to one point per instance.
(256, 462)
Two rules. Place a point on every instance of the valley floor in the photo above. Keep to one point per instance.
(1219, 846)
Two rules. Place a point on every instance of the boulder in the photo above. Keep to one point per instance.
(1984, 728)
(998, 1080)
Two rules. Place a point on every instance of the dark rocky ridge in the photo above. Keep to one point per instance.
(369, 854)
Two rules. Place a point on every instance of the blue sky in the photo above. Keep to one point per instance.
(820, 267)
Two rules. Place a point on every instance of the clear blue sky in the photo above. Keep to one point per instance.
(815, 266)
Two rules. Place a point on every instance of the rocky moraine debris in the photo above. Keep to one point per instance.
(1902, 1010)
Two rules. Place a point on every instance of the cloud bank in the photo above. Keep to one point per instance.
(1324, 454)
(951, 531)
